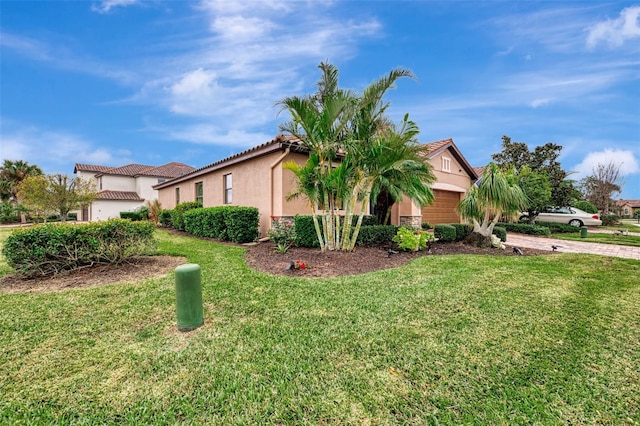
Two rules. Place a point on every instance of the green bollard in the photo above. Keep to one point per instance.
(188, 297)
(583, 232)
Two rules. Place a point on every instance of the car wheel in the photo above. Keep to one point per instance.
(575, 222)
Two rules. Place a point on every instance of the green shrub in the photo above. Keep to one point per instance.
(177, 220)
(462, 230)
(376, 235)
(282, 234)
(610, 219)
(426, 225)
(559, 228)
(445, 233)
(53, 248)
(8, 213)
(586, 206)
(525, 228)
(165, 218)
(412, 239)
(500, 232)
(306, 232)
(207, 222)
(243, 223)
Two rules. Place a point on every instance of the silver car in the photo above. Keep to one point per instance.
(570, 215)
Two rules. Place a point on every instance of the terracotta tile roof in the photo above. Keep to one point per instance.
(169, 170)
(90, 168)
(278, 142)
(434, 147)
(479, 170)
(119, 196)
(633, 203)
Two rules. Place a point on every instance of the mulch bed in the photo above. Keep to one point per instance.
(263, 257)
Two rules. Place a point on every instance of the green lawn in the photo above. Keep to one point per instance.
(443, 340)
(608, 238)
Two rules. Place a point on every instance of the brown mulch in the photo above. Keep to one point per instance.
(137, 269)
(263, 257)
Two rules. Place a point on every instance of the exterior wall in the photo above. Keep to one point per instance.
(457, 177)
(107, 209)
(144, 187)
(117, 183)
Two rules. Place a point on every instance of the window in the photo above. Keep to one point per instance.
(227, 189)
(100, 183)
(199, 192)
(446, 164)
(177, 195)
(160, 180)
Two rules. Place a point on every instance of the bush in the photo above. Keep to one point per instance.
(500, 232)
(243, 224)
(559, 228)
(8, 213)
(462, 230)
(305, 231)
(610, 219)
(525, 228)
(132, 216)
(227, 223)
(53, 248)
(586, 206)
(426, 225)
(176, 214)
(165, 218)
(376, 235)
(445, 233)
(282, 234)
(412, 239)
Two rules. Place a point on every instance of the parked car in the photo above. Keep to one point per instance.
(570, 215)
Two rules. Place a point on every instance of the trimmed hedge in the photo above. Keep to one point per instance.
(177, 220)
(445, 233)
(227, 223)
(500, 232)
(134, 216)
(165, 218)
(560, 228)
(53, 248)
(370, 234)
(462, 230)
(525, 228)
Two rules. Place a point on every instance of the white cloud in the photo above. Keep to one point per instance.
(537, 103)
(210, 134)
(615, 32)
(51, 149)
(105, 6)
(625, 159)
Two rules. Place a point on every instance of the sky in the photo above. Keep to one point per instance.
(114, 82)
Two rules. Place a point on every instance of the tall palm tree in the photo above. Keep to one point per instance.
(336, 126)
(12, 173)
(394, 161)
(495, 194)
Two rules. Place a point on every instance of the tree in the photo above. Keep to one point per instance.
(11, 174)
(58, 193)
(33, 191)
(495, 194)
(342, 131)
(543, 160)
(536, 188)
(600, 187)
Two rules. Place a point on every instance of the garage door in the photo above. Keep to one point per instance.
(443, 209)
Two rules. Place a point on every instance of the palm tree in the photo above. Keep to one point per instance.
(494, 195)
(11, 174)
(336, 126)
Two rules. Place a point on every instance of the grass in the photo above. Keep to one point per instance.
(443, 340)
(625, 224)
(604, 238)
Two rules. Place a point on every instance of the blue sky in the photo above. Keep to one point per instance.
(120, 81)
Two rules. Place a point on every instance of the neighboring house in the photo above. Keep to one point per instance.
(627, 208)
(126, 188)
(255, 178)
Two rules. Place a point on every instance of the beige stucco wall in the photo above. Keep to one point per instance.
(144, 187)
(251, 187)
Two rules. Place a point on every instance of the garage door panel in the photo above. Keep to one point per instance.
(443, 209)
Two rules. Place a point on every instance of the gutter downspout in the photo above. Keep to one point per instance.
(271, 183)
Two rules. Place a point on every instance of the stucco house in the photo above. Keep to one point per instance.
(124, 188)
(255, 178)
(627, 208)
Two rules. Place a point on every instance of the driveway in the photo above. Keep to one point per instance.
(543, 243)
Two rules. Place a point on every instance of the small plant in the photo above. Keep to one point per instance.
(412, 240)
(299, 264)
(282, 235)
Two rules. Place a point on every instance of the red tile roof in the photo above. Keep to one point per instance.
(632, 203)
(119, 196)
(169, 170)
